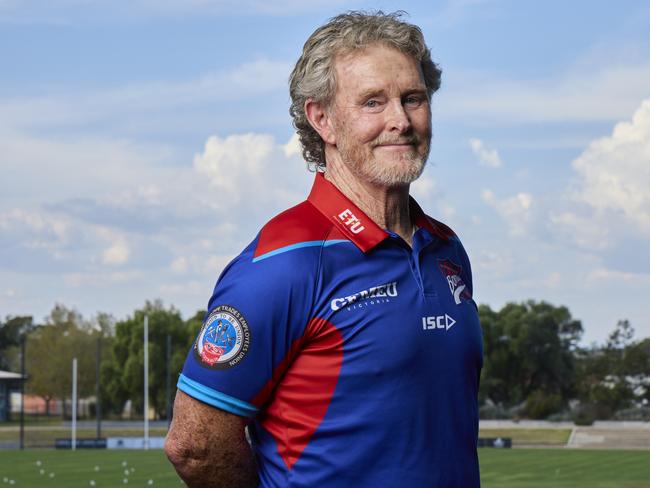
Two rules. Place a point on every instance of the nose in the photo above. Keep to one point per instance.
(398, 119)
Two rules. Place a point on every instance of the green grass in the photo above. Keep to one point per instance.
(500, 468)
(77, 469)
(564, 468)
(523, 437)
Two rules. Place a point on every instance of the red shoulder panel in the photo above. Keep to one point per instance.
(441, 229)
(302, 223)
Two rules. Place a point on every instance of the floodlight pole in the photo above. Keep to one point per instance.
(74, 404)
(22, 392)
(168, 388)
(98, 402)
(146, 382)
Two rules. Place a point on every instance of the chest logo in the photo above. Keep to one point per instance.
(224, 339)
(444, 322)
(375, 293)
(451, 272)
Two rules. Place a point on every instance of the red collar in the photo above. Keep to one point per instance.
(352, 222)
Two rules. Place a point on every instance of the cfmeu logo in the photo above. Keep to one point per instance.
(351, 221)
(444, 322)
(379, 294)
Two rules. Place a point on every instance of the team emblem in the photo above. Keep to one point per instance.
(224, 339)
(451, 272)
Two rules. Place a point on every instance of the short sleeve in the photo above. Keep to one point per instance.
(256, 316)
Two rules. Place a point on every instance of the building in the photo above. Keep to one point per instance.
(8, 383)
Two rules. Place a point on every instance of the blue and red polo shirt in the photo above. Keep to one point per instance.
(356, 356)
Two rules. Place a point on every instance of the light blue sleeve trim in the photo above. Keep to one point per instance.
(298, 246)
(215, 398)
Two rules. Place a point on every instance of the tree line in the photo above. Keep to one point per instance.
(534, 365)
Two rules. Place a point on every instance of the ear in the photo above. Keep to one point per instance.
(319, 118)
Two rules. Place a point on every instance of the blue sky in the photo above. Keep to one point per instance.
(143, 143)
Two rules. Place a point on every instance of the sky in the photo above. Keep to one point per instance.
(144, 143)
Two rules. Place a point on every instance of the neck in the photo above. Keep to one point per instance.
(388, 207)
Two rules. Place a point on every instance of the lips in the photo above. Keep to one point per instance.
(395, 143)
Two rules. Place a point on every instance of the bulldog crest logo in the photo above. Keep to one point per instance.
(451, 272)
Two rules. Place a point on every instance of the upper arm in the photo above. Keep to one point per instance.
(197, 426)
(256, 319)
(207, 445)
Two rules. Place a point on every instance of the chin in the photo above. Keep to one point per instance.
(398, 173)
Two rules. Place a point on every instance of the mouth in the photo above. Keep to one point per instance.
(397, 146)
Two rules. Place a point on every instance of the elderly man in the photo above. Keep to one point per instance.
(345, 336)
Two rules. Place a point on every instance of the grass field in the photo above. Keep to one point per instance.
(500, 468)
(86, 468)
(529, 437)
(564, 468)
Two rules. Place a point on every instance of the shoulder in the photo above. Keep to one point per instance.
(299, 227)
(442, 230)
(286, 250)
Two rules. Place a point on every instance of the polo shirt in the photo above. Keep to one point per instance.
(356, 356)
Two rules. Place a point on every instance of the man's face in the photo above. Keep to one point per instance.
(380, 115)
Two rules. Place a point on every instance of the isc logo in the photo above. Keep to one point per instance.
(443, 322)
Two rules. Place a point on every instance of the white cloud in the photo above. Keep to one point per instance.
(293, 147)
(100, 280)
(447, 211)
(179, 265)
(554, 280)
(139, 100)
(516, 210)
(486, 157)
(247, 171)
(581, 230)
(117, 254)
(424, 189)
(615, 171)
(609, 204)
(234, 163)
(589, 93)
(614, 276)
(88, 214)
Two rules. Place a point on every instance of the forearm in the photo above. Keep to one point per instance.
(208, 447)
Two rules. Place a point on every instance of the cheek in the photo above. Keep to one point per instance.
(367, 128)
(422, 122)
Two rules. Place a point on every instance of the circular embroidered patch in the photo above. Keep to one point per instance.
(224, 339)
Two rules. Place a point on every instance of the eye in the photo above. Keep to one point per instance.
(372, 103)
(414, 100)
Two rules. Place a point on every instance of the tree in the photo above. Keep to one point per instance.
(11, 332)
(50, 350)
(122, 374)
(614, 376)
(528, 348)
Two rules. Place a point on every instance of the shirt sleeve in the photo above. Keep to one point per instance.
(256, 317)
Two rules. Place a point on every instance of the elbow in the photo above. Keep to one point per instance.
(183, 456)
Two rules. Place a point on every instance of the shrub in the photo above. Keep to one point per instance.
(540, 404)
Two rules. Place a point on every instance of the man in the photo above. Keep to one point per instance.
(356, 348)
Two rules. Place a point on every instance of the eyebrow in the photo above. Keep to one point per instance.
(373, 92)
(369, 93)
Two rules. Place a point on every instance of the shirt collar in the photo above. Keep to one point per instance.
(351, 221)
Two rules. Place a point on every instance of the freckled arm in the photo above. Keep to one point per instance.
(208, 446)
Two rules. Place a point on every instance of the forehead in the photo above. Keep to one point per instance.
(376, 68)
